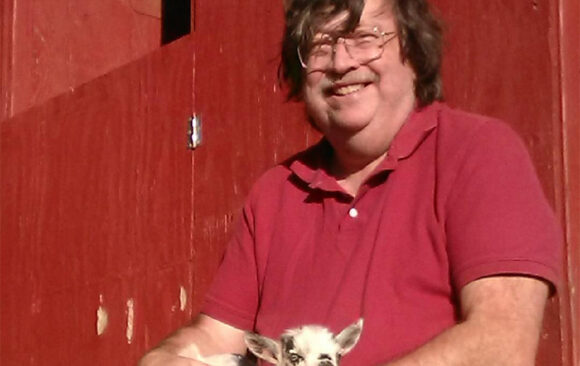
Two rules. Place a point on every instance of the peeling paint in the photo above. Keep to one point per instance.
(182, 298)
(102, 320)
(130, 320)
(102, 317)
(35, 306)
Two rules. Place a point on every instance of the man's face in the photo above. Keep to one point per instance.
(353, 103)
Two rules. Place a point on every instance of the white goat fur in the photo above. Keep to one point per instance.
(309, 345)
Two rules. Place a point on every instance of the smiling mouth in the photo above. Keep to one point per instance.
(347, 89)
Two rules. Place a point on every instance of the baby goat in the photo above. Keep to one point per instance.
(309, 345)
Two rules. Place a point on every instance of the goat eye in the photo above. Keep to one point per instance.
(295, 358)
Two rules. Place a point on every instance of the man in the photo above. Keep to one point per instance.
(427, 222)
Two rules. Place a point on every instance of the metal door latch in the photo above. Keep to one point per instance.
(194, 133)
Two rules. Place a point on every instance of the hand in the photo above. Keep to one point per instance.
(160, 357)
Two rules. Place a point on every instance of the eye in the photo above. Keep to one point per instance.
(362, 39)
(295, 358)
(321, 47)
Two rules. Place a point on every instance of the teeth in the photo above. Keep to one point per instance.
(348, 89)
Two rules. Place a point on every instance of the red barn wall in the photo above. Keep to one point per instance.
(160, 222)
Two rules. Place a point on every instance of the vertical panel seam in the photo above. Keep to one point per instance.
(192, 254)
(569, 327)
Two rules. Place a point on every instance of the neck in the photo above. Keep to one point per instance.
(357, 156)
(351, 173)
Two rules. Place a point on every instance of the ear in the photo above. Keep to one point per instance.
(263, 347)
(349, 337)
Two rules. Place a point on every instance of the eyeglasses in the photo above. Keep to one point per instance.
(363, 45)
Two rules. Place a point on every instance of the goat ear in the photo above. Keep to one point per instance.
(349, 337)
(263, 347)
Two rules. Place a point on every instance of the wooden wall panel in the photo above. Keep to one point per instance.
(6, 21)
(247, 125)
(58, 45)
(96, 202)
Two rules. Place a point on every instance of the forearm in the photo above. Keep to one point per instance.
(467, 345)
(205, 336)
(502, 326)
(169, 350)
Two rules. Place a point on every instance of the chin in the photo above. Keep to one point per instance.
(353, 123)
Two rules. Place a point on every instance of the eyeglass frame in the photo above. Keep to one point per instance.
(335, 40)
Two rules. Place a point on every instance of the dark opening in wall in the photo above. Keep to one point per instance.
(175, 19)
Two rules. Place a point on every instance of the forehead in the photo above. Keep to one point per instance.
(375, 13)
(311, 340)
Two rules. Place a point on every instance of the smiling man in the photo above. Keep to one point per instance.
(426, 221)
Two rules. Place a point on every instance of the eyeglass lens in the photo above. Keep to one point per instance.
(363, 46)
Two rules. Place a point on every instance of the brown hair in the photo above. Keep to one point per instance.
(420, 38)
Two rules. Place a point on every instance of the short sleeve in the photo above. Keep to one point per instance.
(498, 220)
(233, 295)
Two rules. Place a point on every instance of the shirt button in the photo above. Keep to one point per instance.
(353, 212)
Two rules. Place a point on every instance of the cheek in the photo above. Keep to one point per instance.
(313, 84)
(312, 79)
(393, 74)
(402, 76)
(314, 102)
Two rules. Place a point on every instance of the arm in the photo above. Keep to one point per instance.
(502, 318)
(209, 335)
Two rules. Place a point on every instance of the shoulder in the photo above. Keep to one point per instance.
(269, 184)
(463, 136)
(460, 127)
(476, 153)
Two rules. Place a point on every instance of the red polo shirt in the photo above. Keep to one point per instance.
(456, 199)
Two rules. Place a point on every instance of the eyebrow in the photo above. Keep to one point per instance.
(332, 35)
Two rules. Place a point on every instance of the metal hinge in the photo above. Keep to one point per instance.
(194, 133)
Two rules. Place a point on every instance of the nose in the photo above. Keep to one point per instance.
(342, 61)
(326, 363)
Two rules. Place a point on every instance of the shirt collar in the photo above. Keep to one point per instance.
(310, 165)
